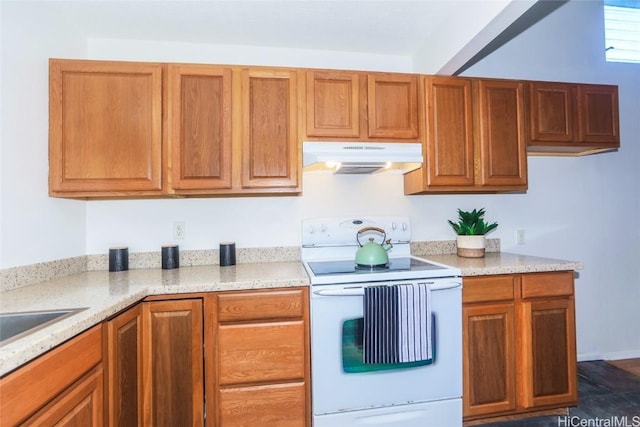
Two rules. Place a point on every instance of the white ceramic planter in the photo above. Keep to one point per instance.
(471, 246)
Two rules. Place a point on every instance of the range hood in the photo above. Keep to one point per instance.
(361, 157)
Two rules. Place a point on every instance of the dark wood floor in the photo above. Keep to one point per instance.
(605, 392)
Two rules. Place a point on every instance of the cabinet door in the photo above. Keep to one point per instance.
(81, 405)
(173, 356)
(105, 128)
(25, 390)
(200, 126)
(124, 361)
(552, 112)
(392, 106)
(549, 353)
(501, 125)
(332, 104)
(269, 134)
(598, 114)
(449, 143)
(488, 359)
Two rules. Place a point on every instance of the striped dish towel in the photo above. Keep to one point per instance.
(397, 324)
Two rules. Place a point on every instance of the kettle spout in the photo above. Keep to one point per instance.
(387, 245)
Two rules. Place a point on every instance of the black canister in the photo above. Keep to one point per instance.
(170, 257)
(119, 259)
(227, 254)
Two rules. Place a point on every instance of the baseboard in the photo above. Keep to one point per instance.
(617, 355)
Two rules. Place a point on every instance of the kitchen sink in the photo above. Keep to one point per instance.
(16, 325)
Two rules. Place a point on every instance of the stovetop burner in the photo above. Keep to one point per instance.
(341, 267)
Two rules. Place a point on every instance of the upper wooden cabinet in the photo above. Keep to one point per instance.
(105, 128)
(475, 137)
(199, 127)
(270, 159)
(572, 119)
(129, 129)
(357, 106)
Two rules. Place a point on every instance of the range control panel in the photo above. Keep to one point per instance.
(341, 231)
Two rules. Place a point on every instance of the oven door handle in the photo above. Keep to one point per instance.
(343, 292)
(359, 290)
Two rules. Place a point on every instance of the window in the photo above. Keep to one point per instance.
(622, 30)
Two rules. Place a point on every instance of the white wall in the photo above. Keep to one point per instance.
(562, 212)
(33, 227)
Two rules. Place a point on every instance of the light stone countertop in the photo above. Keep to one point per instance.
(105, 294)
(505, 263)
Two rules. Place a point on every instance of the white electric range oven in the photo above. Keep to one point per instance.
(346, 391)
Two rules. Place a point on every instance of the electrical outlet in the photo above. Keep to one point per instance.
(179, 230)
(520, 237)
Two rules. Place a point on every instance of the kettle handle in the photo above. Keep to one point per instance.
(378, 229)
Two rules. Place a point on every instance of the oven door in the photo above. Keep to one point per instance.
(340, 382)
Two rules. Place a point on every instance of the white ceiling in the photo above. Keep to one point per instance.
(448, 32)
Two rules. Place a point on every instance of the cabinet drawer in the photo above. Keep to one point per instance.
(267, 405)
(273, 351)
(487, 288)
(281, 304)
(547, 284)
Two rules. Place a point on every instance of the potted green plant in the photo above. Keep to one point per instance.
(471, 229)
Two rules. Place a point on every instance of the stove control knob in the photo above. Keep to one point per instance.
(311, 229)
(323, 227)
(404, 226)
(394, 226)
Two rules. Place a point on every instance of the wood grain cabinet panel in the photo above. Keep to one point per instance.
(360, 106)
(549, 352)
(475, 137)
(260, 305)
(519, 354)
(269, 132)
(25, 391)
(200, 127)
(449, 143)
(124, 367)
(281, 405)
(173, 359)
(489, 359)
(258, 359)
(503, 148)
(332, 103)
(257, 352)
(572, 119)
(81, 405)
(598, 118)
(105, 128)
(392, 106)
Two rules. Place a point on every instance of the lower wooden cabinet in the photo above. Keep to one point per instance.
(155, 372)
(62, 387)
(147, 366)
(518, 343)
(260, 353)
(80, 405)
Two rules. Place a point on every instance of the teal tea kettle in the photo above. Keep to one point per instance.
(372, 254)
